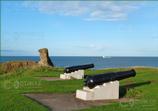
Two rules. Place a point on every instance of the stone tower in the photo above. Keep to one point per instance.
(44, 58)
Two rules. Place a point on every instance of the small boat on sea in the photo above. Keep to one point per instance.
(106, 57)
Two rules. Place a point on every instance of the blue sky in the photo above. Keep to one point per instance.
(79, 28)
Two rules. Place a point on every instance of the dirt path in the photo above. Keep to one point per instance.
(49, 78)
(67, 102)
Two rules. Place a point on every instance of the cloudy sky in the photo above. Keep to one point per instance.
(79, 28)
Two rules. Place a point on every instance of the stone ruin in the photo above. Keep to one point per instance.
(14, 65)
(44, 58)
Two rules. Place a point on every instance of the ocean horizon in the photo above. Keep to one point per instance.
(100, 62)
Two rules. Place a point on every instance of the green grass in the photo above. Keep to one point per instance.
(144, 90)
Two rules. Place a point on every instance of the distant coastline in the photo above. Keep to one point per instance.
(99, 61)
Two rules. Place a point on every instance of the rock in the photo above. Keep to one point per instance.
(44, 58)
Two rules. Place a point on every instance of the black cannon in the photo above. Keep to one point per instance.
(79, 67)
(99, 79)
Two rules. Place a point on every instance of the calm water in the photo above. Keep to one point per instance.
(99, 62)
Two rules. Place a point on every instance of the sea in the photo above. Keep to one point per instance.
(99, 61)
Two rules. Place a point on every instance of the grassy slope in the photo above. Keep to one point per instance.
(25, 81)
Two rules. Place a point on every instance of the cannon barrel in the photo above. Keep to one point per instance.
(99, 79)
(79, 67)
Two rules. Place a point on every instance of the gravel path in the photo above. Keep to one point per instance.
(49, 78)
(67, 102)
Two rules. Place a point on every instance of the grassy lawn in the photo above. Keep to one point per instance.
(144, 89)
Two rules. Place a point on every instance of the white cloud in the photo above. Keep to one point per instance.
(88, 10)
